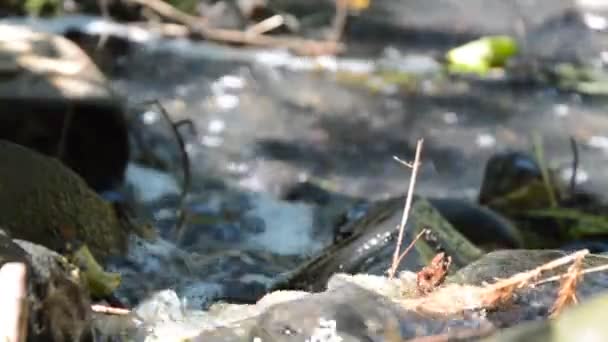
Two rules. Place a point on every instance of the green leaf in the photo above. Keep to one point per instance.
(479, 56)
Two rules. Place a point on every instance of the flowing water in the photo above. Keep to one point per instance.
(265, 120)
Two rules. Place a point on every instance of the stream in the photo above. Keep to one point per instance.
(265, 120)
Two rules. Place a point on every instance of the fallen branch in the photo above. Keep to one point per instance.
(406, 210)
(199, 26)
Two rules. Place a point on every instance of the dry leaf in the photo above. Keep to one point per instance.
(433, 275)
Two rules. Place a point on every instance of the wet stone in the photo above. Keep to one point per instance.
(531, 303)
(370, 247)
(584, 322)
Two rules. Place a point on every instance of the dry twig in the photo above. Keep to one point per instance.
(562, 276)
(166, 10)
(185, 159)
(266, 25)
(339, 20)
(199, 26)
(108, 310)
(567, 291)
(406, 209)
(502, 291)
(411, 245)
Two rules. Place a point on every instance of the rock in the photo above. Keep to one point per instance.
(350, 312)
(530, 303)
(584, 322)
(44, 202)
(482, 226)
(56, 101)
(345, 312)
(485, 228)
(507, 172)
(370, 247)
(374, 308)
(503, 264)
(59, 306)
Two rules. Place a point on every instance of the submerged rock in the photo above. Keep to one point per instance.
(55, 100)
(43, 201)
(58, 302)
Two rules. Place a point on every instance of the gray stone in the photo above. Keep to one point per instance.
(585, 322)
(55, 100)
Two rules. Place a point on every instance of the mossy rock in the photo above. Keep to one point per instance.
(370, 247)
(43, 201)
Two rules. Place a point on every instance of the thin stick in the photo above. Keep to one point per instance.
(185, 159)
(339, 20)
(105, 13)
(407, 250)
(562, 276)
(406, 209)
(403, 162)
(109, 310)
(266, 25)
(13, 296)
(503, 289)
(574, 147)
(199, 26)
(567, 291)
(166, 10)
(63, 140)
(540, 159)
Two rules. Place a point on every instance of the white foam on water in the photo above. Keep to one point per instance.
(289, 227)
(150, 184)
(199, 295)
(162, 257)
